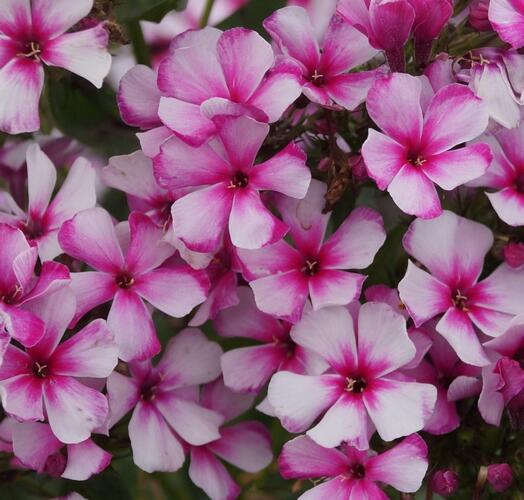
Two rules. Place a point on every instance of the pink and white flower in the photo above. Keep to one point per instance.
(228, 185)
(37, 448)
(20, 288)
(283, 277)
(33, 34)
(210, 73)
(452, 249)
(164, 399)
(362, 391)
(128, 271)
(414, 151)
(41, 381)
(506, 175)
(324, 71)
(350, 473)
(247, 369)
(246, 445)
(507, 18)
(44, 216)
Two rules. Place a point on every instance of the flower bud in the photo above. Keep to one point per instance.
(478, 15)
(500, 477)
(444, 482)
(514, 254)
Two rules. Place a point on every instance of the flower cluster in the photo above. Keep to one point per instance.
(323, 229)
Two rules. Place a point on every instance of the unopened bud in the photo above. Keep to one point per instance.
(444, 482)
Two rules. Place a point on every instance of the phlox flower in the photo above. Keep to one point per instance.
(246, 445)
(283, 277)
(228, 185)
(33, 34)
(40, 382)
(128, 271)
(503, 378)
(452, 249)
(20, 288)
(324, 71)
(37, 448)
(247, 369)
(362, 390)
(164, 400)
(507, 18)
(506, 175)
(44, 216)
(414, 150)
(349, 473)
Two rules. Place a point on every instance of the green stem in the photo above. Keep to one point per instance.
(204, 19)
(140, 48)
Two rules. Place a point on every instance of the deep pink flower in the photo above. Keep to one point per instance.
(44, 216)
(210, 72)
(478, 15)
(507, 18)
(229, 185)
(324, 71)
(414, 152)
(452, 249)
(20, 289)
(249, 368)
(246, 445)
(35, 445)
(349, 473)
(33, 34)
(500, 477)
(283, 277)
(142, 274)
(514, 254)
(41, 381)
(503, 379)
(164, 400)
(453, 379)
(506, 175)
(363, 391)
(444, 483)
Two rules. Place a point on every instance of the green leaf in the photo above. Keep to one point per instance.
(252, 14)
(150, 10)
(107, 485)
(90, 115)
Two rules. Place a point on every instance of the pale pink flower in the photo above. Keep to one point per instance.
(247, 369)
(129, 272)
(282, 277)
(33, 34)
(352, 474)
(452, 249)
(414, 151)
(503, 379)
(246, 445)
(41, 381)
(228, 185)
(37, 448)
(506, 175)
(164, 400)
(507, 18)
(362, 391)
(44, 215)
(20, 289)
(324, 71)
(210, 73)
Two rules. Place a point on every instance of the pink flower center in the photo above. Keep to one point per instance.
(519, 183)
(460, 301)
(317, 78)
(12, 296)
(40, 370)
(310, 267)
(356, 385)
(33, 229)
(148, 393)
(286, 344)
(416, 160)
(239, 181)
(125, 281)
(357, 471)
(31, 50)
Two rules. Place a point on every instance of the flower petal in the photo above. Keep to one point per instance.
(52, 18)
(334, 288)
(22, 397)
